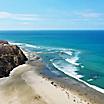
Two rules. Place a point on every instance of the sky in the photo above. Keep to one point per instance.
(51, 14)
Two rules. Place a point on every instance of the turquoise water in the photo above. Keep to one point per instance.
(79, 54)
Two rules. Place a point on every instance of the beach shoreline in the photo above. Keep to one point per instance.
(83, 91)
(27, 84)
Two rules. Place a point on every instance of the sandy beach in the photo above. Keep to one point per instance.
(25, 85)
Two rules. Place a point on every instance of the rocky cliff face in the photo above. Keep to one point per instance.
(10, 57)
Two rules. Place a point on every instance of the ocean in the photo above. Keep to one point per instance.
(78, 53)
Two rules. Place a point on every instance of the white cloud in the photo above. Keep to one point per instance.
(18, 24)
(8, 15)
(90, 14)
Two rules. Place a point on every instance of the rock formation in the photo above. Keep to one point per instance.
(11, 56)
(3, 42)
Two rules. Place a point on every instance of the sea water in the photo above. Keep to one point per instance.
(78, 54)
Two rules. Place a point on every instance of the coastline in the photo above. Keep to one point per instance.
(79, 88)
(99, 89)
(78, 77)
(27, 84)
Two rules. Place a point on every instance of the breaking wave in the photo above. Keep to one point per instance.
(62, 59)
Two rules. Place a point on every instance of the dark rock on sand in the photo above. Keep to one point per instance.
(11, 56)
(52, 83)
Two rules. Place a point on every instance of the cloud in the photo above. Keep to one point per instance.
(8, 15)
(18, 24)
(90, 14)
(74, 19)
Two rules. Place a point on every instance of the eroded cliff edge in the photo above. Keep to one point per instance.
(11, 56)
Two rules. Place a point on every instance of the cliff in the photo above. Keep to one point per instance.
(11, 56)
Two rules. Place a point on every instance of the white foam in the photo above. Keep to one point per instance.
(68, 52)
(24, 44)
(90, 80)
(69, 70)
(73, 61)
(82, 66)
(92, 86)
(31, 46)
(13, 43)
(73, 74)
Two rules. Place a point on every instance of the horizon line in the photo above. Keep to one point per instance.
(67, 29)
